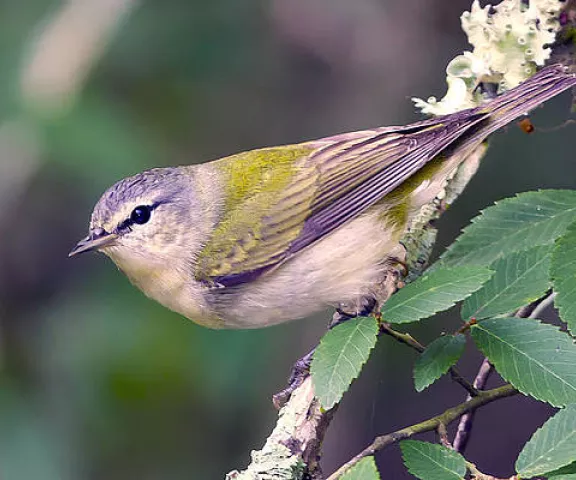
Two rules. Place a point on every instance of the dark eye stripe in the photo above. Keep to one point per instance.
(125, 225)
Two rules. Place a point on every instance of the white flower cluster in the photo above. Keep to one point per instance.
(509, 41)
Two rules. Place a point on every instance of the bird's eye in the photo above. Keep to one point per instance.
(141, 214)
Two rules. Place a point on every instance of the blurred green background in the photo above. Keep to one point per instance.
(97, 381)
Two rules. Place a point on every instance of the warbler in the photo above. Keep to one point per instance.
(274, 234)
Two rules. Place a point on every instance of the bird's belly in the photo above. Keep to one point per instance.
(338, 269)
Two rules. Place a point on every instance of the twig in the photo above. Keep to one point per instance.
(470, 388)
(404, 338)
(443, 436)
(467, 420)
(431, 424)
(409, 340)
(543, 305)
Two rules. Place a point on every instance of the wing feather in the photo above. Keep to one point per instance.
(334, 181)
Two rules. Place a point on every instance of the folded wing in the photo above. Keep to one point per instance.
(333, 181)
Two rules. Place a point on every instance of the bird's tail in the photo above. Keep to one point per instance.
(519, 101)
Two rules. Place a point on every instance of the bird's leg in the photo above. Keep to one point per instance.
(396, 270)
(361, 307)
(300, 370)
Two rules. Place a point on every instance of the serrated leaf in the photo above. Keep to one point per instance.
(438, 357)
(511, 225)
(551, 447)
(519, 279)
(365, 469)
(563, 272)
(434, 292)
(537, 358)
(340, 356)
(429, 461)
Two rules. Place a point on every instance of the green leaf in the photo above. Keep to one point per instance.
(438, 357)
(537, 358)
(511, 225)
(340, 356)
(552, 446)
(365, 469)
(563, 272)
(433, 292)
(564, 471)
(519, 278)
(428, 461)
(567, 476)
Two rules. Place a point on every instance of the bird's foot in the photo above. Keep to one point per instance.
(397, 266)
(300, 370)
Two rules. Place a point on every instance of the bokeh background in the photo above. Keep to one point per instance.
(97, 381)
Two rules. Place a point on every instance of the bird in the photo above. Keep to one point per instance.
(274, 234)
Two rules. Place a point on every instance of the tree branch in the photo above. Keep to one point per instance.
(431, 424)
(294, 445)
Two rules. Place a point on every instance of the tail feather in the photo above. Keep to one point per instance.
(519, 101)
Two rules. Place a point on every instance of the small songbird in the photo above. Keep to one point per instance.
(274, 234)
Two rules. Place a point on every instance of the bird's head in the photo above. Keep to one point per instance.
(145, 220)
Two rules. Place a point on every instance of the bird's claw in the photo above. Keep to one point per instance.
(300, 370)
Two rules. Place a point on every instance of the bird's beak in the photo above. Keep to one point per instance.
(94, 241)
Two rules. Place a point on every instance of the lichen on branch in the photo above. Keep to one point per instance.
(509, 41)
